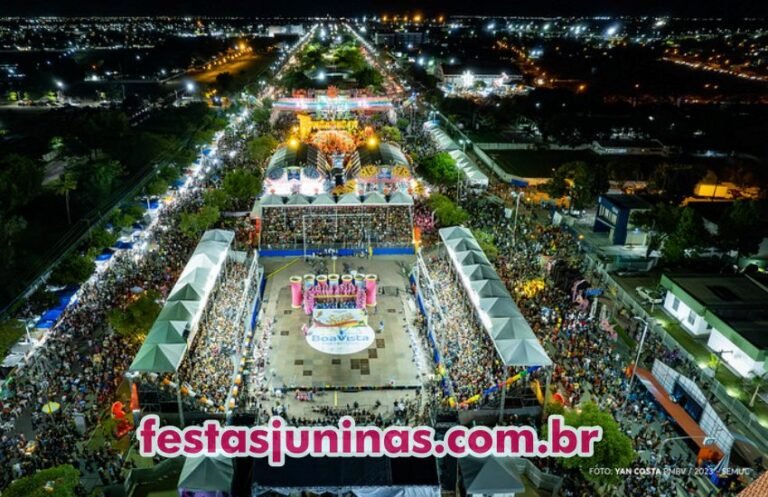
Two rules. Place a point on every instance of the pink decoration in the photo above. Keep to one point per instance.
(371, 285)
(296, 297)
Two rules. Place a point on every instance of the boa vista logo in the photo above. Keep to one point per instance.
(340, 341)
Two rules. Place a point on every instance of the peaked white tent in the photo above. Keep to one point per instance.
(509, 331)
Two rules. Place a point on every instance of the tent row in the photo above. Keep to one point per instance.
(326, 200)
(510, 332)
(167, 340)
(472, 173)
(467, 166)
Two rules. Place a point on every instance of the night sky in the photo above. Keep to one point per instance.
(698, 8)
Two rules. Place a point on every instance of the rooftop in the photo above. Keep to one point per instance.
(736, 300)
(479, 68)
(624, 201)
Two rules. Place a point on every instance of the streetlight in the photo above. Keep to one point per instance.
(637, 358)
(190, 87)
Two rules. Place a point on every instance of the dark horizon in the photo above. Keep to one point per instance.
(300, 8)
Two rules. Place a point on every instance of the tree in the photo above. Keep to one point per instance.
(225, 81)
(59, 481)
(688, 236)
(391, 134)
(62, 186)
(101, 237)
(578, 180)
(738, 230)
(260, 148)
(260, 115)
(157, 186)
(660, 221)
(20, 180)
(439, 169)
(447, 212)
(97, 178)
(241, 186)
(216, 198)
(614, 450)
(192, 224)
(75, 269)
(137, 317)
(487, 243)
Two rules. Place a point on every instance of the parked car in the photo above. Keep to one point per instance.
(649, 295)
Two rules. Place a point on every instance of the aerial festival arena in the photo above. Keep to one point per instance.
(345, 332)
(335, 184)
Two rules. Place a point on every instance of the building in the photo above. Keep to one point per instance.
(458, 77)
(731, 310)
(614, 214)
(286, 29)
(401, 40)
(620, 146)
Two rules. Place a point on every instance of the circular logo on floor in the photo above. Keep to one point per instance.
(340, 340)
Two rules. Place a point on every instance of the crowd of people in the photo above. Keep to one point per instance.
(208, 368)
(467, 351)
(343, 226)
(79, 366)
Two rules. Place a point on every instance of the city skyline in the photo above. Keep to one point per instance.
(682, 8)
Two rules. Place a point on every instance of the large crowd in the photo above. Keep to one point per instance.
(208, 368)
(341, 227)
(467, 350)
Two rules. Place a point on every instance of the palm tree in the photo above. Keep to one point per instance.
(62, 186)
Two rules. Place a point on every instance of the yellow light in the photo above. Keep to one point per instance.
(373, 141)
(417, 18)
(293, 142)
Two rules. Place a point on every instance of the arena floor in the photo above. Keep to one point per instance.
(388, 362)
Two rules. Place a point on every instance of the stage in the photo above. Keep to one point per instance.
(385, 362)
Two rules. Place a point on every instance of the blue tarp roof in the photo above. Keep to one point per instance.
(518, 182)
(51, 315)
(179, 182)
(124, 245)
(105, 256)
(154, 204)
(206, 151)
(44, 325)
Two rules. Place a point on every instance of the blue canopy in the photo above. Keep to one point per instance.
(123, 245)
(51, 315)
(518, 182)
(44, 325)
(105, 256)
(206, 151)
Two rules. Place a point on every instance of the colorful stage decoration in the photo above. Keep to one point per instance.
(331, 291)
(476, 398)
(334, 141)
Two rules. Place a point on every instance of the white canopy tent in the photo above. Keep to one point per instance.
(162, 350)
(474, 176)
(509, 331)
